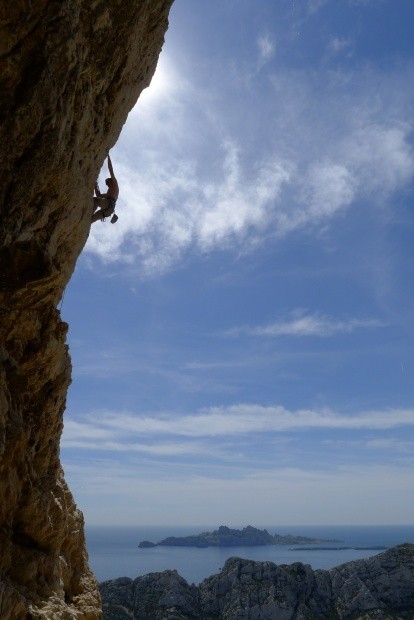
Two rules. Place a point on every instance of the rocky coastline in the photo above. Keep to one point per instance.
(380, 588)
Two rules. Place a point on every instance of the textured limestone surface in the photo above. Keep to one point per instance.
(380, 588)
(70, 71)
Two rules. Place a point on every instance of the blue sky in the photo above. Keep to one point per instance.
(242, 338)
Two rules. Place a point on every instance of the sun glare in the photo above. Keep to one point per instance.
(160, 84)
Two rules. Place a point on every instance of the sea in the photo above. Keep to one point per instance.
(114, 552)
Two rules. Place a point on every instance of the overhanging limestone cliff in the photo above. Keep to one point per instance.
(69, 74)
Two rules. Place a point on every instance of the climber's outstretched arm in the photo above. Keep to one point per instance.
(110, 168)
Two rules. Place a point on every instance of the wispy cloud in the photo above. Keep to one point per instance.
(193, 179)
(315, 5)
(158, 449)
(267, 48)
(380, 444)
(216, 365)
(218, 495)
(337, 45)
(160, 225)
(306, 324)
(229, 421)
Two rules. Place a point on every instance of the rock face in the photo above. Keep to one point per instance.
(156, 596)
(381, 587)
(69, 74)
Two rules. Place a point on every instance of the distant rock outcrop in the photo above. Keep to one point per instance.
(380, 588)
(226, 537)
(69, 74)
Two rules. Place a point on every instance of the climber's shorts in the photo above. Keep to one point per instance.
(107, 205)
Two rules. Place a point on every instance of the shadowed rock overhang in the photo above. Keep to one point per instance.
(69, 74)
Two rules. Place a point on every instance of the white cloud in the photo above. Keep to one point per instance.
(294, 496)
(315, 5)
(396, 445)
(159, 449)
(337, 45)
(202, 170)
(223, 421)
(216, 365)
(305, 324)
(380, 157)
(266, 47)
(328, 188)
(235, 204)
(165, 211)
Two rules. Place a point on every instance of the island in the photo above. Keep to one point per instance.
(375, 548)
(226, 537)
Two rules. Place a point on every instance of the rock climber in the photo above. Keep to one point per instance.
(104, 204)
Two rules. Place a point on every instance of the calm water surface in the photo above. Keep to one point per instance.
(113, 551)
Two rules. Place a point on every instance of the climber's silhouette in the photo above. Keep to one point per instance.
(104, 204)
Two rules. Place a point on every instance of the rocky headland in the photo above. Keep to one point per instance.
(69, 74)
(226, 537)
(380, 588)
